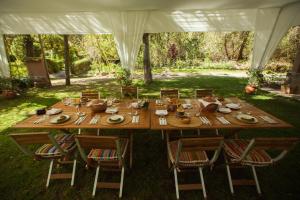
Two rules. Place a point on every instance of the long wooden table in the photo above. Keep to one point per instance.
(149, 120)
(212, 117)
(123, 109)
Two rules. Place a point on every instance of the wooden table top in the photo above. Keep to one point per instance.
(148, 118)
(212, 117)
(144, 121)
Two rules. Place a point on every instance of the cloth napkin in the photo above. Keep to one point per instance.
(135, 119)
(163, 121)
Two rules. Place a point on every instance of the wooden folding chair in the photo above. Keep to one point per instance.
(192, 153)
(254, 153)
(56, 148)
(200, 93)
(90, 94)
(129, 92)
(105, 152)
(169, 93)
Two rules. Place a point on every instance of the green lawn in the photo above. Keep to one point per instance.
(23, 178)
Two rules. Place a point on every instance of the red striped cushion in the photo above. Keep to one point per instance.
(108, 154)
(65, 141)
(188, 158)
(235, 149)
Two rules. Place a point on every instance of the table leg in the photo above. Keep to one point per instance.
(167, 141)
(131, 147)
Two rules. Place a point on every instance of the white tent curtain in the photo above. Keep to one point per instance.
(287, 17)
(264, 27)
(128, 29)
(4, 66)
(201, 21)
(269, 24)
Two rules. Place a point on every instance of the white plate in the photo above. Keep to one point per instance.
(187, 106)
(247, 118)
(55, 120)
(111, 110)
(224, 110)
(54, 111)
(234, 106)
(161, 112)
(115, 119)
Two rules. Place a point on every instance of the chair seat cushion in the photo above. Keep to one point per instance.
(66, 142)
(235, 148)
(108, 154)
(188, 158)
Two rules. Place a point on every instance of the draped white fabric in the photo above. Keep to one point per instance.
(201, 21)
(4, 67)
(270, 19)
(265, 46)
(128, 29)
(265, 23)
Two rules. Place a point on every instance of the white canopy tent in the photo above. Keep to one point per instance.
(128, 20)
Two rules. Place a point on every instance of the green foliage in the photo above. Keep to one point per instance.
(123, 76)
(81, 66)
(256, 77)
(54, 65)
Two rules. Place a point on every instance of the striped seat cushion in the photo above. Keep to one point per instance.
(108, 154)
(235, 148)
(65, 141)
(188, 159)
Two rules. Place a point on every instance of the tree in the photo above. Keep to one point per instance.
(147, 64)
(29, 49)
(67, 59)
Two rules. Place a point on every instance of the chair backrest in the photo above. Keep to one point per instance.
(22, 140)
(88, 142)
(169, 93)
(129, 92)
(90, 94)
(200, 93)
(282, 144)
(201, 144)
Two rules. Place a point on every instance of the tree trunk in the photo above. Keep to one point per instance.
(245, 35)
(28, 41)
(43, 57)
(225, 47)
(147, 64)
(67, 59)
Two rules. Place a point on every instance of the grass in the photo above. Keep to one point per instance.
(23, 178)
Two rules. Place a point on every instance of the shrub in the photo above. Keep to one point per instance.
(81, 66)
(123, 76)
(54, 65)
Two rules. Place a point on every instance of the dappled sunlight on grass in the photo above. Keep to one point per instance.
(262, 97)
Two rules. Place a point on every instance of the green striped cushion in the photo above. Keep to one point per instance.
(235, 149)
(65, 141)
(191, 158)
(108, 154)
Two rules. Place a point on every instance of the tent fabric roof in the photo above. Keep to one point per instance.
(126, 5)
(127, 20)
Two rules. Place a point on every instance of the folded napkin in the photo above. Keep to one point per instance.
(135, 119)
(163, 121)
(187, 106)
